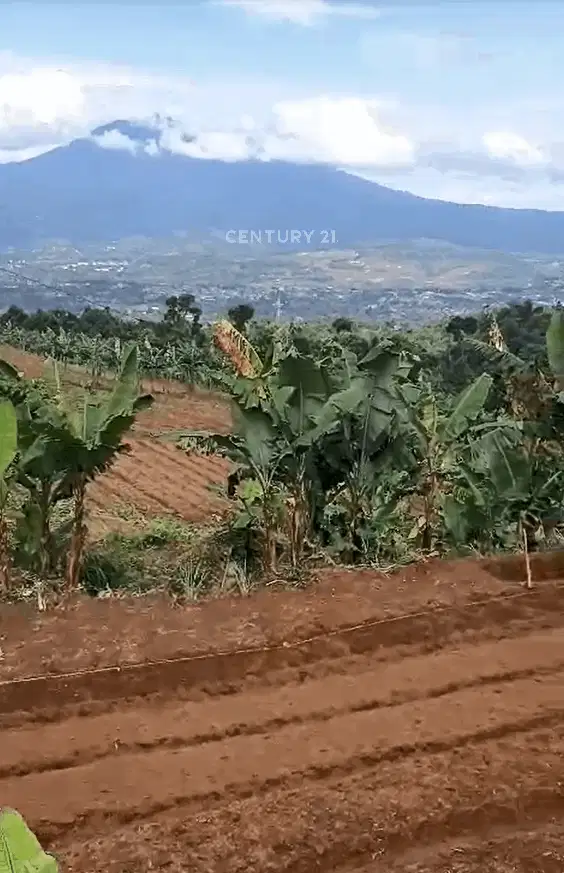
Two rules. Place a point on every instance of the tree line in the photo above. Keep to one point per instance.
(360, 443)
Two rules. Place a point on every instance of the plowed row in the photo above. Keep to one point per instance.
(430, 742)
(155, 478)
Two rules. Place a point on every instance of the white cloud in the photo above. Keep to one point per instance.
(39, 105)
(434, 150)
(486, 190)
(52, 104)
(512, 147)
(16, 156)
(113, 139)
(42, 95)
(211, 144)
(304, 12)
(342, 131)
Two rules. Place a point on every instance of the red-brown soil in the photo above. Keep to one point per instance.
(33, 366)
(411, 723)
(155, 478)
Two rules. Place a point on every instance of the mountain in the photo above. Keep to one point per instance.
(83, 192)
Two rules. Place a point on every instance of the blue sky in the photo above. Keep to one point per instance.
(457, 99)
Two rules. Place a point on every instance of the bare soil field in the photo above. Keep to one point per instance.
(33, 366)
(154, 478)
(405, 723)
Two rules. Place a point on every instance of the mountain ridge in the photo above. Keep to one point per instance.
(88, 192)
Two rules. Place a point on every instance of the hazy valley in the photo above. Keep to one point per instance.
(414, 282)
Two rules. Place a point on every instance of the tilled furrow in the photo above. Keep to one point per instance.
(137, 784)
(144, 492)
(79, 741)
(226, 673)
(536, 845)
(395, 815)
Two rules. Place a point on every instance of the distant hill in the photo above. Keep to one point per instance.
(82, 193)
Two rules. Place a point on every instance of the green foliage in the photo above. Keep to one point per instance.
(353, 444)
(61, 448)
(362, 443)
(165, 531)
(441, 463)
(8, 445)
(240, 315)
(8, 453)
(113, 566)
(555, 348)
(190, 580)
(20, 851)
(178, 347)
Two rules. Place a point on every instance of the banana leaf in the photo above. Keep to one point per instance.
(20, 850)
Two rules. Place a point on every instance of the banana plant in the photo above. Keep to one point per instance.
(92, 439)
(273, 402)
(529, 389)
(8, 451)
(358, 434)
(248, 378)
(271, 414)
(537, 398)
(440, 439)
(20, 850)
(61, 449)
(555, 350)
(525, 488)
(307, 432)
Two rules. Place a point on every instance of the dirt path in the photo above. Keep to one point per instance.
(432, 741)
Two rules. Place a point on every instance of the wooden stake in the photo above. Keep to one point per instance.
(529, 582)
